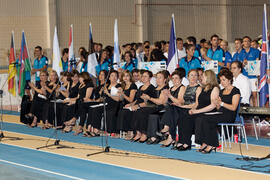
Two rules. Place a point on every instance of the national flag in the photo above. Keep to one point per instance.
(12, 68)
(116, 55)
(24, 61)
(92, 59)
(71, 55)
(91, 42)
(263, 86)
(172, 54)
(57, 62)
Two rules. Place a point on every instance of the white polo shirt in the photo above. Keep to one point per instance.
(242, 83)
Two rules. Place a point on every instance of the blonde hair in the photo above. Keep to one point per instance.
(211, 80)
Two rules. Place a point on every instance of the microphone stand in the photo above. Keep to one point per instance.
(57, 140)
(107, 147)
(1, 116)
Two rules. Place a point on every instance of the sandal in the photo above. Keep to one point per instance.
(87, 134)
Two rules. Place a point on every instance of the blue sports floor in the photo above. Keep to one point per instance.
(31, 163)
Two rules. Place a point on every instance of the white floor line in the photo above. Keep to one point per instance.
(253, 172)
(43, 170)
(99, 162)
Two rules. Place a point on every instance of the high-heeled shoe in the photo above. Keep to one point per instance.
(210, 150)
(175, 147)
(135, 140)
(150, 141)
(182, 148)
(201, 149)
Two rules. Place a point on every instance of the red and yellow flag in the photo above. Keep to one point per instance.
(12, 68)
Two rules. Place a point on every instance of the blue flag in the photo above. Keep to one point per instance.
(172, 54)
(263, 86)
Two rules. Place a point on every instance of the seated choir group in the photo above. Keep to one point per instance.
(146, 113)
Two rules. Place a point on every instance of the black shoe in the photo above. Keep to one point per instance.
(135, 140)
(200, 150)
(182, 148)
(175, 147)
(150, 141)
(209, 151)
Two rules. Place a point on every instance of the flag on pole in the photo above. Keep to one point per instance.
(91, 42)
(92, 59)
(24, 60)
(71, 55)
(57, 62)
(12, 68)
(263, 86)
(116, 54)
(172, 54)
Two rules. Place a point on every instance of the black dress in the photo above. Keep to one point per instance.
(40, 105)
(186, 122)
(171, 114)
(140, 117)
(123, 118)
(59, 107)
(95, 114)
(208, 125)
(70, 111)
(84, 106)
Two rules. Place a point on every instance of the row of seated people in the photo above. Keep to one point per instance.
(196, 108)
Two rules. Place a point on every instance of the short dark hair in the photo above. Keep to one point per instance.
(179, 39)
(135, 71)
(227, 74)
(192, 39)
(64, 51)
(247, 37)
(158, 44)
(203, 40)
(179, 73)
(181, 70)
(239, 64)
(150, 74)
(146, 42)
(38, 47)
(214, 36)
(238, 39)
(188, 46)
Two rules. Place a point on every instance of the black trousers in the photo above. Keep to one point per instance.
(141, 116)
(170, 118)
(83, 108)
(69, 112)
(25, 109)
(94, 116)
(39, 108)
(59, 114)
(124, 120)
(206, 128)
(186, 126)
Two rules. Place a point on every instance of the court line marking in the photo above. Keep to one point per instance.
(39, 169)
(99, 162)
(259, 173)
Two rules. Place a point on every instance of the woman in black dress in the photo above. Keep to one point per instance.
(186, 122)
(83, 99)
(149, 100)
(227, 104)
(93, 123)
(169, 118)
(39, 107)
(51, 95)
(70, 110)
(127, 97)
(207, 103)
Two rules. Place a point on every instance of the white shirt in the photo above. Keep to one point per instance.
(181, 53)
(242, 83)
(138, 84)
(165, 54)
